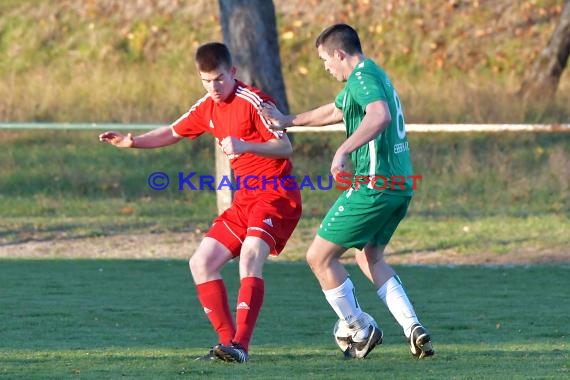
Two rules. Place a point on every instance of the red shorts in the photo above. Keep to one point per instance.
(270, 214)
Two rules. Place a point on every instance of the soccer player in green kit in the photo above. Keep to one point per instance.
(366, 215)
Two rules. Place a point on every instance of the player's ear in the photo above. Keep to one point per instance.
(339, 54)
(233, 71)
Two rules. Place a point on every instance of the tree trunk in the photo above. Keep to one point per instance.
(250, 31)
(542, 81)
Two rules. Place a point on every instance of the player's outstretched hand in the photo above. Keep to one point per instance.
(278, 121)
(117, 139)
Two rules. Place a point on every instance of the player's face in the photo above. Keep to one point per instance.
(219, 83)
(331, 63)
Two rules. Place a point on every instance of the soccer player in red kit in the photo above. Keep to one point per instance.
(265, 209)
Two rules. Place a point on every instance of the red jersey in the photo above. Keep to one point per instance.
(237, 117)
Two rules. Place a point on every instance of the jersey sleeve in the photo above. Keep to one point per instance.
(339, 99)
(194, 122)
(366, 88)
(262, 124)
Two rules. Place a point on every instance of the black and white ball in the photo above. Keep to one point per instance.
(342, 332)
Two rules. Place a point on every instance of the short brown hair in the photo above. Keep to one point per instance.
(339, 37)
(212, 56)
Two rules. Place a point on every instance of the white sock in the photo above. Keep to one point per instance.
(343, 301)
(394, 296)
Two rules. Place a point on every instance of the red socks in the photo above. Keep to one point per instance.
(249, 301)
(214, 300)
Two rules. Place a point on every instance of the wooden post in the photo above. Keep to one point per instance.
(224, 195)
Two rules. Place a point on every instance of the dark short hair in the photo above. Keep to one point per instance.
(339, 36)
(212, 56)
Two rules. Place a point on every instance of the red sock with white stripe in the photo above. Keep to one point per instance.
(250, 299)
(214, 300)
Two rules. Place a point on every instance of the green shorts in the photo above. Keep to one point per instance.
(363, 216)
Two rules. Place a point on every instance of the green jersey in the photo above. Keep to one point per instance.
(386, 159)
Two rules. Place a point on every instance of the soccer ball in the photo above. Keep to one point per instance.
(342, 332)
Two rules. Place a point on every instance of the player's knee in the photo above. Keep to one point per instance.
(315, 260)
(196, 265)
(254, 249)
(248, 249)
(310, 258)
(369, 259)
(192, 265)
(251, 261)
(373, 254)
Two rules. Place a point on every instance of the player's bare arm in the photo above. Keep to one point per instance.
(157, 138)
(377, 118)
(275, 148)
(321, 116)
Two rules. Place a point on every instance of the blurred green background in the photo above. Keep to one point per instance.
(126, 61)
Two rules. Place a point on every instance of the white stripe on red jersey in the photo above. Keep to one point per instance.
(256, 100)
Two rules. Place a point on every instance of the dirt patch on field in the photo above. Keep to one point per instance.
(131, 246)
(181, 245)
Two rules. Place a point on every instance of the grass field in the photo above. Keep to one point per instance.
(121, 319)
